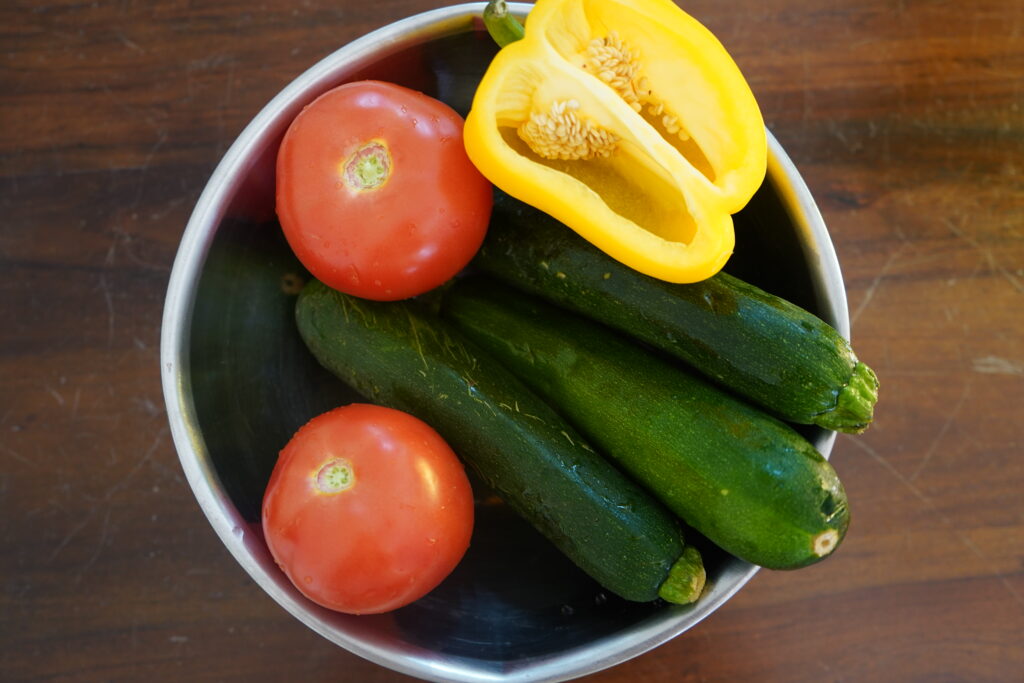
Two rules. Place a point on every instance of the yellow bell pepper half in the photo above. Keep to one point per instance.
(629, 122)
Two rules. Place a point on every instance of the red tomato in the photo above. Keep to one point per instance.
(375, 192)
(367, 509)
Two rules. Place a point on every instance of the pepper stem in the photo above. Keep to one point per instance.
(503, 27)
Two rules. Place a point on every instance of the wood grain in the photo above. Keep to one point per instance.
(905, 118)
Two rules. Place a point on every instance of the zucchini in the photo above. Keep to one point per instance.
(744, 479)
(402, 356)
(760, 346)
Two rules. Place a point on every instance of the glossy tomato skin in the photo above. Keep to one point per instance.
(398, 529)
(403, 237)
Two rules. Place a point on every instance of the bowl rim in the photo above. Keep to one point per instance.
(246, 546)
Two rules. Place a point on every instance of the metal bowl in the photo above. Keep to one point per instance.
(238, 382)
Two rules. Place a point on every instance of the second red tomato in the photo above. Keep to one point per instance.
(367, 509)
(375, 192)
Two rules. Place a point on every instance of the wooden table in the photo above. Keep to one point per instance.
(907, 121)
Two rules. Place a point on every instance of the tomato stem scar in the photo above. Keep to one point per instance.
(335, 476)
(368, 167)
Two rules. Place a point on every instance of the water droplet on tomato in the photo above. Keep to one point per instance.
(404, 109)
(415, 123)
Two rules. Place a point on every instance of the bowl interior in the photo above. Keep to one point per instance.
(515, 606)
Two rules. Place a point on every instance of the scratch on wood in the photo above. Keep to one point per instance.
(230, 85)
(119, 484)
(934, 446)
(994, 265)
(70, 535)
(74, 402)
(997, 366)
(917, 493)
(130, 43)
(162, 135)
(109, 299)
(870, 293)
(104, 532)
(148, 406)
(56, 396)
(75, 530)
(17, 456)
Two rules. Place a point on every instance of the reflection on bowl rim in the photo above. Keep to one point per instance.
(247, 547)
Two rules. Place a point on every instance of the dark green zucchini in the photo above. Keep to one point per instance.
(760, 346)
(745, 480)
(399, 355)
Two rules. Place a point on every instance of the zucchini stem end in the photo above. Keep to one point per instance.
(855, 405)
(686, 578)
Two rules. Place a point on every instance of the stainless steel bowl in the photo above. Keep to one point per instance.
(238, 382)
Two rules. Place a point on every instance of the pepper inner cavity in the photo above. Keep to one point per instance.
(626, 185)
(616, 63)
